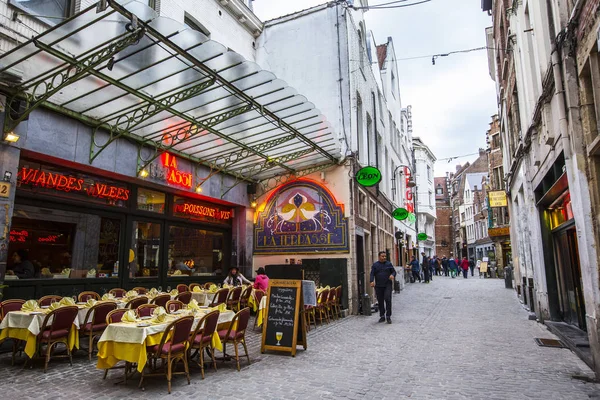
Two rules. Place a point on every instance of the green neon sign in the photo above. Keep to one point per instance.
(422, 236)
(400, 214)
(411, 218)
(368, 176)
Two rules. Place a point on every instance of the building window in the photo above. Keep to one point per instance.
(362, 205)
(194, 24)
(362, 154)
(361, 49)
(150, 200)
(428, 172)
(439, 191)
(195, 252)
(146, 245)
(53, 11)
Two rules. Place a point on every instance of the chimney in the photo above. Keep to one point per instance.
(458, 167)
(481, 152)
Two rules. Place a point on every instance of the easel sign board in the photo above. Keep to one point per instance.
(483, 266)
(283, 327)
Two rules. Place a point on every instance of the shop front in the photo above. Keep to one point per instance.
(86, 231)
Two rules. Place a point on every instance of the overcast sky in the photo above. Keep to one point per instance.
(452, 100)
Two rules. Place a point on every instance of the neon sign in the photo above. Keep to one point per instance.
(48, 239)
(174, 175)
(68, 183)
(19, 236)
(197, 210)
(408, 195)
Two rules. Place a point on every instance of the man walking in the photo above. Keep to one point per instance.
(464, 264)
(453, 267)
(471, 265)
(445, 265)
(425, 266)
(414, 267)
(382, 277)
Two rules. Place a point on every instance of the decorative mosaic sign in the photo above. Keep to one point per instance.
(301, 217)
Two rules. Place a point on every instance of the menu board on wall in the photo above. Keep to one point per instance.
(283, 328)
(55, 181)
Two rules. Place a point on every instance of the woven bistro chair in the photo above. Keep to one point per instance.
(172, 348)
(237, 335)
(321, 308)
(85, 296)
(145, 310)
(220, 297)
(258, 295)
(207, 285)
(117, 292)
(161, 300)
(136, 302)
(201, 339)
(338, 298)
(307, 313)
(47, 300)
(5, 307)
(140, 290)
(184, 297)
(331, 300)
(95, 323)
(233, 300)
(178, 305)
(182, 287)
(55, 329)
(245, 297)
(113, 317)
(193, 285)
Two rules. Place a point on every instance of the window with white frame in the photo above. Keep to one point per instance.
(53, 11)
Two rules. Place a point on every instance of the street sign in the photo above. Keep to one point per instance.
(498, 199)
(4, 189)
(400, 214)
(422, 236)
(368, 176)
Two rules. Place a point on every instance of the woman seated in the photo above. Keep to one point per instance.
(262, 280)
(235, 278)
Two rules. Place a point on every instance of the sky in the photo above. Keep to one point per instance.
(453, 100)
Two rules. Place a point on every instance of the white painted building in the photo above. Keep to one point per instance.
(473, 185)
(424, 161)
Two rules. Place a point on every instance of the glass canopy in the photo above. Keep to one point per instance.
(129, 73)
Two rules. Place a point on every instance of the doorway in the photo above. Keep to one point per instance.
(360, 265)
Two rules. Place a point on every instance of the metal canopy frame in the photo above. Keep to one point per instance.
(129, 73)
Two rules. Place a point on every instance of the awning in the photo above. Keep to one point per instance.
(128, 72)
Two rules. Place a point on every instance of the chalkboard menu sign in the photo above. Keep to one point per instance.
(283, 328)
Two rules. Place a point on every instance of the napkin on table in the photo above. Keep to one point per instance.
(108, 296)
(159, 315)
(67, 301)
(129, 316)
(193, 305)
(196, 289)
(174, 292)
(90, 303)
(30, 305)
(55, 305)
(213, 288)
(221, 307)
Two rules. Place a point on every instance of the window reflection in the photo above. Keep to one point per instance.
(144, 257)
(150, 200)
(195, 252)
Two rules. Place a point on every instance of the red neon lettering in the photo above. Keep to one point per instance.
(174, 176)
(202, 211)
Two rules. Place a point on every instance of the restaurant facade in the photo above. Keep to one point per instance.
(138, 144)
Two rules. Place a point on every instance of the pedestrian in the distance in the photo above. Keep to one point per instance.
(432, 266)
(464, 264)
(453, 267)
(414, 267)
(425, 267)
(445, 265)
(471, 265)
(382, 278)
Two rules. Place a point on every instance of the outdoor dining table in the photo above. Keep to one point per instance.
(26, 326)
(127, 341)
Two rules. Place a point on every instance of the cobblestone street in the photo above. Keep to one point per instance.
(451, 339)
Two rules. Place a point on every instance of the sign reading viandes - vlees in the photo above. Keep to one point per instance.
(368, 176)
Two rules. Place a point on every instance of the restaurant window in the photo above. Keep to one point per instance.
(64, 244)
(53, 11)
(150, 200)
(195, 252)
(144, 260)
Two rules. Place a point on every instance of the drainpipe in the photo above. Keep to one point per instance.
(559, 92)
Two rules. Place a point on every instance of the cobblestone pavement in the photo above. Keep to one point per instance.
(451, 339)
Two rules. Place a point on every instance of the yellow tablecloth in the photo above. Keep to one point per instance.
(127, 342)
(262, 311)
(25, 326)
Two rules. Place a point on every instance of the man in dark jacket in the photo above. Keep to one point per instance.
(426, 268)
(445, 265)
(415, 268)
(471, 265)
(382, 277)
(22, 267)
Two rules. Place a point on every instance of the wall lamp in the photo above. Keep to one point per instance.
(7, 176)
(11, 137)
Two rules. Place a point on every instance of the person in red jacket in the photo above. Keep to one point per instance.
(262, 280)
(464, 264)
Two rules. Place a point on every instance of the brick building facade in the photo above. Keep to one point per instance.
(443, 223)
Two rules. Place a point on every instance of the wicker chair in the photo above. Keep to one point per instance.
(201, 338)
(176, 305)
(220, 297)
(245, 297)
(182, 287)
(55, 329)
(331, 301)
(338, 297)
(85, 296)
(47, 300)
(117, 292)
(233, 300)
(136, 302)
(172, 348)
(184, 297)
(161, 300)
(240, 322)
(5, 307)
(140, 290)
(145, 310)
(321, 308)
(95, 323)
